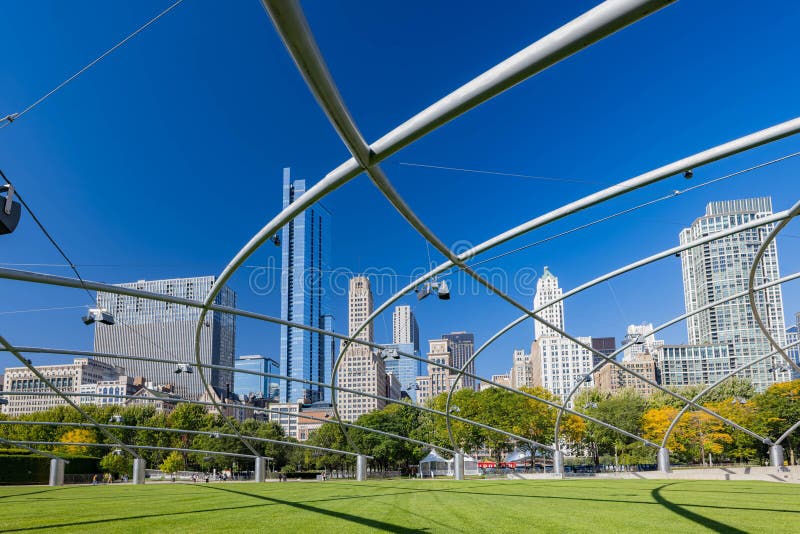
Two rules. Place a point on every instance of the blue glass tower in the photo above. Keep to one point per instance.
(263, 386)
(305, 244)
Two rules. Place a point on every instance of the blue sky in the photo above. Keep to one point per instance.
(128, 165)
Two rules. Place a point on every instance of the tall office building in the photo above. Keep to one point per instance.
(155, 329)
(249, 385)
(721, 268)
(548, 290)
(438, 380)
(305, 251)
(360, 369)
(405, 369)
(404, 327)
(558, 363)
(462, 347)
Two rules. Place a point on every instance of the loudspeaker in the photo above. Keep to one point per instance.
(9, 221)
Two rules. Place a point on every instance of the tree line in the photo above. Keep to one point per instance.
(697, 438)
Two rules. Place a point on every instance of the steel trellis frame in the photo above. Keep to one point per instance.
(142, 447)
(708, 388)
(607, 276)
(667, 325)
(586, 29)
(35, 451)
(10, 348)
(751, 295)
(41, 350)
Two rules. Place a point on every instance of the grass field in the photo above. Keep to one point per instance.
(407, 506)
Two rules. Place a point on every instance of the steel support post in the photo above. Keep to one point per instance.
(663, 460)
(361, 468)
(261, 469)
(558, 462)
(458, 466)
(138, 470)
(775, 456)
(57, 472)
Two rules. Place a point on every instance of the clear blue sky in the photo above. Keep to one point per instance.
(127, 165)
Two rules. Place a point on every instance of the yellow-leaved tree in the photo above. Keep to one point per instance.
(78, 435)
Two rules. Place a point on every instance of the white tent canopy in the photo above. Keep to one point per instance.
(434, 465)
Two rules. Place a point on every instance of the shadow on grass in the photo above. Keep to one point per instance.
(372, 523)
(47, 490)
(716, 526)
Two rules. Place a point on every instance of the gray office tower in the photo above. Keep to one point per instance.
(155, 329)
(720, 269)
(305, 243)
(462, 346)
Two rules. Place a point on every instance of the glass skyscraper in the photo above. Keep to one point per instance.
(721, 268)
(249, 385)
(305, 249)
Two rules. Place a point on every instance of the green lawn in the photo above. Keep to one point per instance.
(407, 506)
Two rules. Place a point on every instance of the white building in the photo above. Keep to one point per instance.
(643, 339)
(68, 378)
(548, 290)
(122, 386)
(721, 268)
(360, 369)
(522, 370)
(557, 363)
(405, 328)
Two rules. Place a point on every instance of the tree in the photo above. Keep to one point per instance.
(78, 435)
(116, 464)
(172, 463)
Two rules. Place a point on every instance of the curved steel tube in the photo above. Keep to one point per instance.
(708, 388)
(10, 348)
(667, 325)
(592, 26)
(669, 252)
(786, 434)
(33, 450)
(142, 447)
(40, 350)
(793, 212)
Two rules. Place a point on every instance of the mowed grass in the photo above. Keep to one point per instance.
(407, 506)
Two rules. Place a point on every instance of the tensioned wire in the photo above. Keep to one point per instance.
(8, 119)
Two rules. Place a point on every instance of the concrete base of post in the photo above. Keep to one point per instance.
(558, 462)
(261, 469)
(458, 466)
(361, 468)
(57, 472)
(776, 456)
(663, 460)
(138, 470)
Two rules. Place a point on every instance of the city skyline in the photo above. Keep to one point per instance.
(250, 153)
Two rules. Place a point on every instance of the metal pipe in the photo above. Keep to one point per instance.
(10, 348)
(708, 388)
(142, 447)
(786, 434)
(667, 325)
(793, 212)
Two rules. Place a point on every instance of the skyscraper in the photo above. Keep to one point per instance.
(405, 338)
(404, 327)
(305, 249)
(261, 386)
(721, 268)
(155, 329)
(548, 290)
(462, 347)
(558, 362)
(360, 369)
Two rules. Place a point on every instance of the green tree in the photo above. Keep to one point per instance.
(172, 463)
(116, 464)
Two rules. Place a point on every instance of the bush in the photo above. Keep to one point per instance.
(24, 467)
